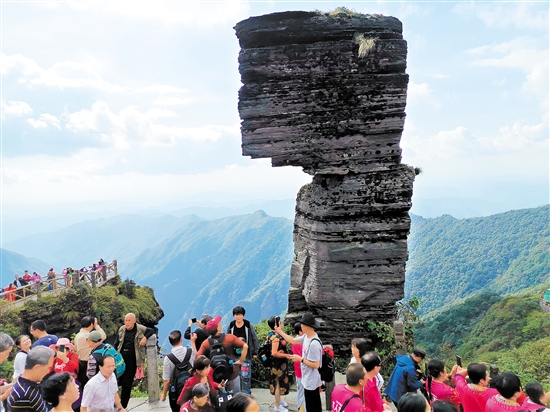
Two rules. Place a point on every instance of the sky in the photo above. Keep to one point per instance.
(134, 104)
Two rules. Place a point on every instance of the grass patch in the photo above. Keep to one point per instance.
(366, 44)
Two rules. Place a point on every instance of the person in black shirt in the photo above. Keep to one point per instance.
(201, 332)
(244, 330)
(130, 342)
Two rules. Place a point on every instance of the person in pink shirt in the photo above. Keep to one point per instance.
(370, 395)
(474, 395)
(296, 349)
(346, 397)
(508, 386)
(436, 385)
(537, 399)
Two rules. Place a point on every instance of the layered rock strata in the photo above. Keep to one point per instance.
(328, 93)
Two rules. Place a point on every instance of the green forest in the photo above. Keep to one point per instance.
(452, 259)
(512, 332)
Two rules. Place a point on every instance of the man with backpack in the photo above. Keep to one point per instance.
(220, 349)
(241, 328)
(312, 352)
(177, 367)
(98, 351)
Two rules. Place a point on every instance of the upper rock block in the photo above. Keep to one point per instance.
(309, 99)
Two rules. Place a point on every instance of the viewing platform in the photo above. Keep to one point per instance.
(58, 284)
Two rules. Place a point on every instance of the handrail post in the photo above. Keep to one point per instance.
(152, 370)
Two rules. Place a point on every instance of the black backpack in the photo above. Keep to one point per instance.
(326, 370)
(264, 353)
(180, 374)
(219, 360)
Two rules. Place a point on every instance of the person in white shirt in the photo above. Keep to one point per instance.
(312, 351)
(101, 391)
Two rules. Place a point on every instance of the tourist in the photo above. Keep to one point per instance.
(370, 395)
(23, 343)
(405, 377)
(83, 348)
(130, 342)
(199, 400)
(244, 330)
(181, 354)
(25, 394)
(10, 292)
(65, 361)
(230, 344)
(201, 373)
(297, 350)
(279, 383)
(537, 399)
(95, 342)
(101, 391)
(360, 346)
(60, 391)
(473, 395)
(413, 402)
(27, 278)
(38, 331)
(242, 402)
(51, 279)
(6, 345)
(436, 385)
(508, 386)
(347, 397)
(201, 332)
(442, 406)
(310, 360)
(37, 281)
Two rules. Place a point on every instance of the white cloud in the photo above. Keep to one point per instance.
(69, 74)
(519, 54)
(421, 93)
(20, 63)
(15, 108)
(522, 14)
(45, 120)
(202, 14)
(172, 101)
(130, 126)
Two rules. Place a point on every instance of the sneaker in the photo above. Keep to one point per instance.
(280, 408)
(284, 404)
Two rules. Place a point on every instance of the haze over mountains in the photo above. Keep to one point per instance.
(197, 265)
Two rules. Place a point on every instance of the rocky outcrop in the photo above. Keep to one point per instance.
(328, 93)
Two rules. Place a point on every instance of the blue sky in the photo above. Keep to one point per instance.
(136, 102)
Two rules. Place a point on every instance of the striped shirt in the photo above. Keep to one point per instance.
(25, 396)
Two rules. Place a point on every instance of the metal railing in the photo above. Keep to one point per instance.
(33, 290)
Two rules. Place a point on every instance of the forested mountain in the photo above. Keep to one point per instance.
(14, 263)
(212, 266)
(120, 237)
(453, 258)
(511, 332)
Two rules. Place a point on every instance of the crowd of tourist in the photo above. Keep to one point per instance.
(28, 284)
(213, 372)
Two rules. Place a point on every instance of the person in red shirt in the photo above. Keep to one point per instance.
(474, 395)
(230, 343)
(202, 373)
(347, 397)
(508, 386)
(65, 361)
(370, 395)
(436, 385)
(10, 297)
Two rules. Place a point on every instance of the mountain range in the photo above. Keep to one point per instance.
(201, 266)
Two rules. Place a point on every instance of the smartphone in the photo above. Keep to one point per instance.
(61, 348)
(194, 320)
(223, 383)
(459, 361)
(277, 321)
